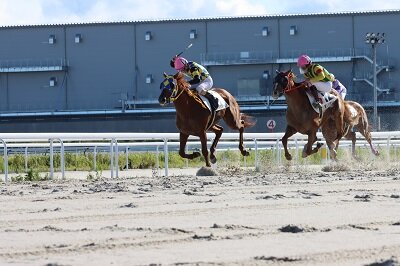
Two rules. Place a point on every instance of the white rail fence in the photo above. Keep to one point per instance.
(115, 142)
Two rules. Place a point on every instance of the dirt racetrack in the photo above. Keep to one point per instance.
(284, 218)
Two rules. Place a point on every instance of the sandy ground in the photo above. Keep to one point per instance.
(284, 218)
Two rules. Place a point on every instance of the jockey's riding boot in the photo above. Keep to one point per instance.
(213, 101)
(316, 103)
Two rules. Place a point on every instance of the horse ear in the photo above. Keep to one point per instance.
(165, 75)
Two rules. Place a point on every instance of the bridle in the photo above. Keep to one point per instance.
(175, 92)
(290, 87)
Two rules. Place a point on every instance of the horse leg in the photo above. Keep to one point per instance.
(352, 136)
(182, 144)
(204, 150)
(339, 124)
(329, 132)
(241, 147)
(364, 130)
(290, 131)
(332, 145)
(308, 150)
(217, 129)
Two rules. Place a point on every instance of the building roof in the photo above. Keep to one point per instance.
(205, 19)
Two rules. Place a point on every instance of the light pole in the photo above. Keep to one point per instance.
(374, 40)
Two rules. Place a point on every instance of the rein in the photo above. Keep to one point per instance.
(290, 87)
(176, 93)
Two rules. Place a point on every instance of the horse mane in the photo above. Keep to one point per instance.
(181, 82)
(185, 86)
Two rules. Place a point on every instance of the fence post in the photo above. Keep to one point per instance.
(5, 161)
(95, 158)
(256, 154)
(388, 149)
(26, 159)
(127, 158)
(166, 156)
(116, 158)
(112, 158)
(51, 160)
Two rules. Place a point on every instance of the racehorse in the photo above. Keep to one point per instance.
(301, 117)
(354, 116)
(194, 118)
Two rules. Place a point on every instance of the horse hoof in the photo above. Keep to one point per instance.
(196, 154)
(288, 157)
(213, 159)
(245, 153)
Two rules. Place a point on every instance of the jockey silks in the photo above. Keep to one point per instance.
(197, 70)
(319, 73)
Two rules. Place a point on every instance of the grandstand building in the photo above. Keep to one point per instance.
(104, 77)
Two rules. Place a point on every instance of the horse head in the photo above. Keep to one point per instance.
(281, 82)
(168, 88)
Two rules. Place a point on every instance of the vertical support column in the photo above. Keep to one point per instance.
(376, 124)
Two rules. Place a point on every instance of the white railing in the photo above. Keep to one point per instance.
(122, 141)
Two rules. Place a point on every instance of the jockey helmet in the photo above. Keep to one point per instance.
(304, 61)
(180, 63)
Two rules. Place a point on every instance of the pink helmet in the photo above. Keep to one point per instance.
(180, 63)
(303, 61)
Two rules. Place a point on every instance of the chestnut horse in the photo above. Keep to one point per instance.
(301, 117)
(194, 118)
(354, 116)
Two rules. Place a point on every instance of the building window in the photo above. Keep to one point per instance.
(78, 38)
(264, 32)
(193, 34)
(53, 82)
(52, 39)
(244, 55)
(148, 36)
(149, 79)
(293, 30)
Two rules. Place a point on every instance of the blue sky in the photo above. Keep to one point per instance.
(17, 12)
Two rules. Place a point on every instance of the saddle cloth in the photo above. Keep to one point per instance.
(327, 100)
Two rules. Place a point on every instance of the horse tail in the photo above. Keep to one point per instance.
(247, 120)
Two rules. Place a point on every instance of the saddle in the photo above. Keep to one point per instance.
(221, 105)
(326, 100)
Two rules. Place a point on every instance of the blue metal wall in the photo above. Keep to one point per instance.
(114, 59)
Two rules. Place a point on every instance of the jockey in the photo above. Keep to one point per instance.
(200, 78)
(319, 78)
(338, 86)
